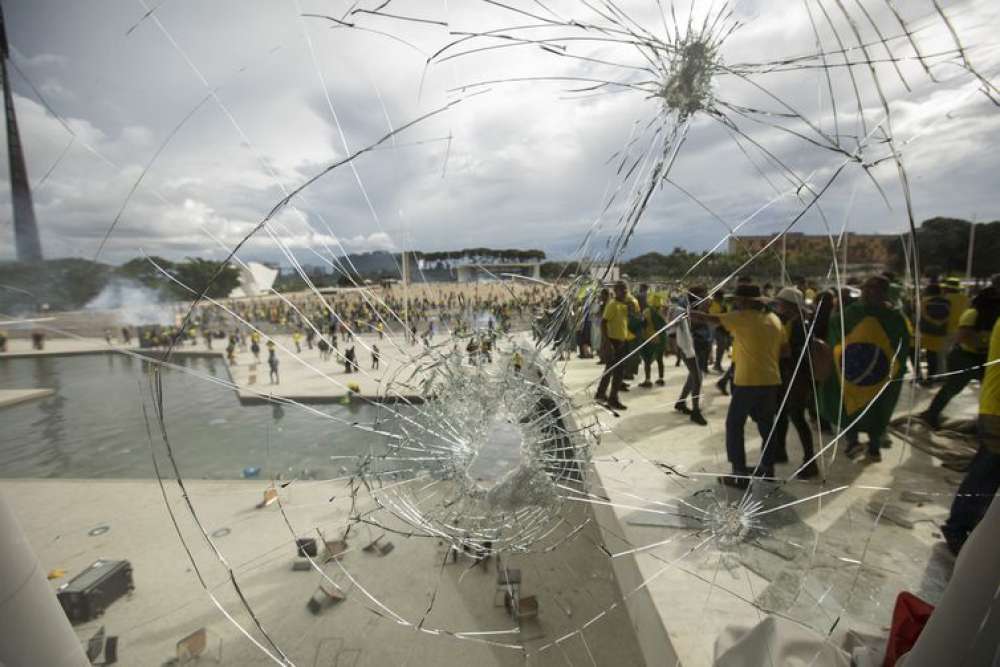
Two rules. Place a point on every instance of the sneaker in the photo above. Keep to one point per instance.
(660, 382)
(853, 449)
(646, 385)
(809, 471)
(616, 405)
(681, 406)
(873, 457)
(698, 418)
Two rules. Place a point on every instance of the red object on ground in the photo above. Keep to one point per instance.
(908, 621)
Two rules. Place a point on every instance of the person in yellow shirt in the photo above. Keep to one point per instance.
(757, 344)
(969, 354)
(614, 346)
(982, 478)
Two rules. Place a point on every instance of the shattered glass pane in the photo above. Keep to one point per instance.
(436, 470)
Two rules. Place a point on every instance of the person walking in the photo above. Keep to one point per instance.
(681, 313)
(375, 357)
(719, 333)
(701, 331)
(757, 336)
(272, 366)
(982, 478)
(868, 359)
(966, 359)
(935, 313)
(796, 381)
(654, 339)
(614, 346)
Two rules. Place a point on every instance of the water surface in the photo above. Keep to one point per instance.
(93, 426)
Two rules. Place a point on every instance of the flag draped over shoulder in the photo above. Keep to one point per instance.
(872, 351)
(934, 317)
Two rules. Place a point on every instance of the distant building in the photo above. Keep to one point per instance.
(874, 249)
(482, 264)
(485, 272)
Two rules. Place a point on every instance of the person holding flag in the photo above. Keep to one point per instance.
(966, 359)
(935, 313)
(861, 392)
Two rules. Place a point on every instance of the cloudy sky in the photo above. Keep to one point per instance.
(227, 105)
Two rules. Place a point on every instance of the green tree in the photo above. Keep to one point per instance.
(217, 279)
(943, 246)
(143, 270)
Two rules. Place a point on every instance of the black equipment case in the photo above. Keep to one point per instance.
(89, 593)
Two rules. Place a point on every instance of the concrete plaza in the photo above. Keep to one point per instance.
(837, 555)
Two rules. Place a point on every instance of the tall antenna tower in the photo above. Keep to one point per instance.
(29, 247)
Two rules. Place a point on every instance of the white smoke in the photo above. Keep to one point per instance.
(133, 304)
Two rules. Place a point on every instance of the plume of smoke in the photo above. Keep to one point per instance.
(133, 304)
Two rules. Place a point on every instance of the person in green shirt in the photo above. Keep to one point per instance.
(654, 339)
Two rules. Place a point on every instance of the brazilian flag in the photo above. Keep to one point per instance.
(935, 313)
(872, 352)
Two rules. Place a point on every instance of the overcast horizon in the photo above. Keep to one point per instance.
(265, 98)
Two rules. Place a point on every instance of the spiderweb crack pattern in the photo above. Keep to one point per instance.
(494, 461)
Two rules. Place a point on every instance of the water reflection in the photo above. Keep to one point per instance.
(93, 425)
(50, 424)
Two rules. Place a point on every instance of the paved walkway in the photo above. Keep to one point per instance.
(72, 523)
(825, 562)
(837, 559)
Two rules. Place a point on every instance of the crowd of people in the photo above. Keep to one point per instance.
(321, 320)
(833, 357)
(332, 322)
